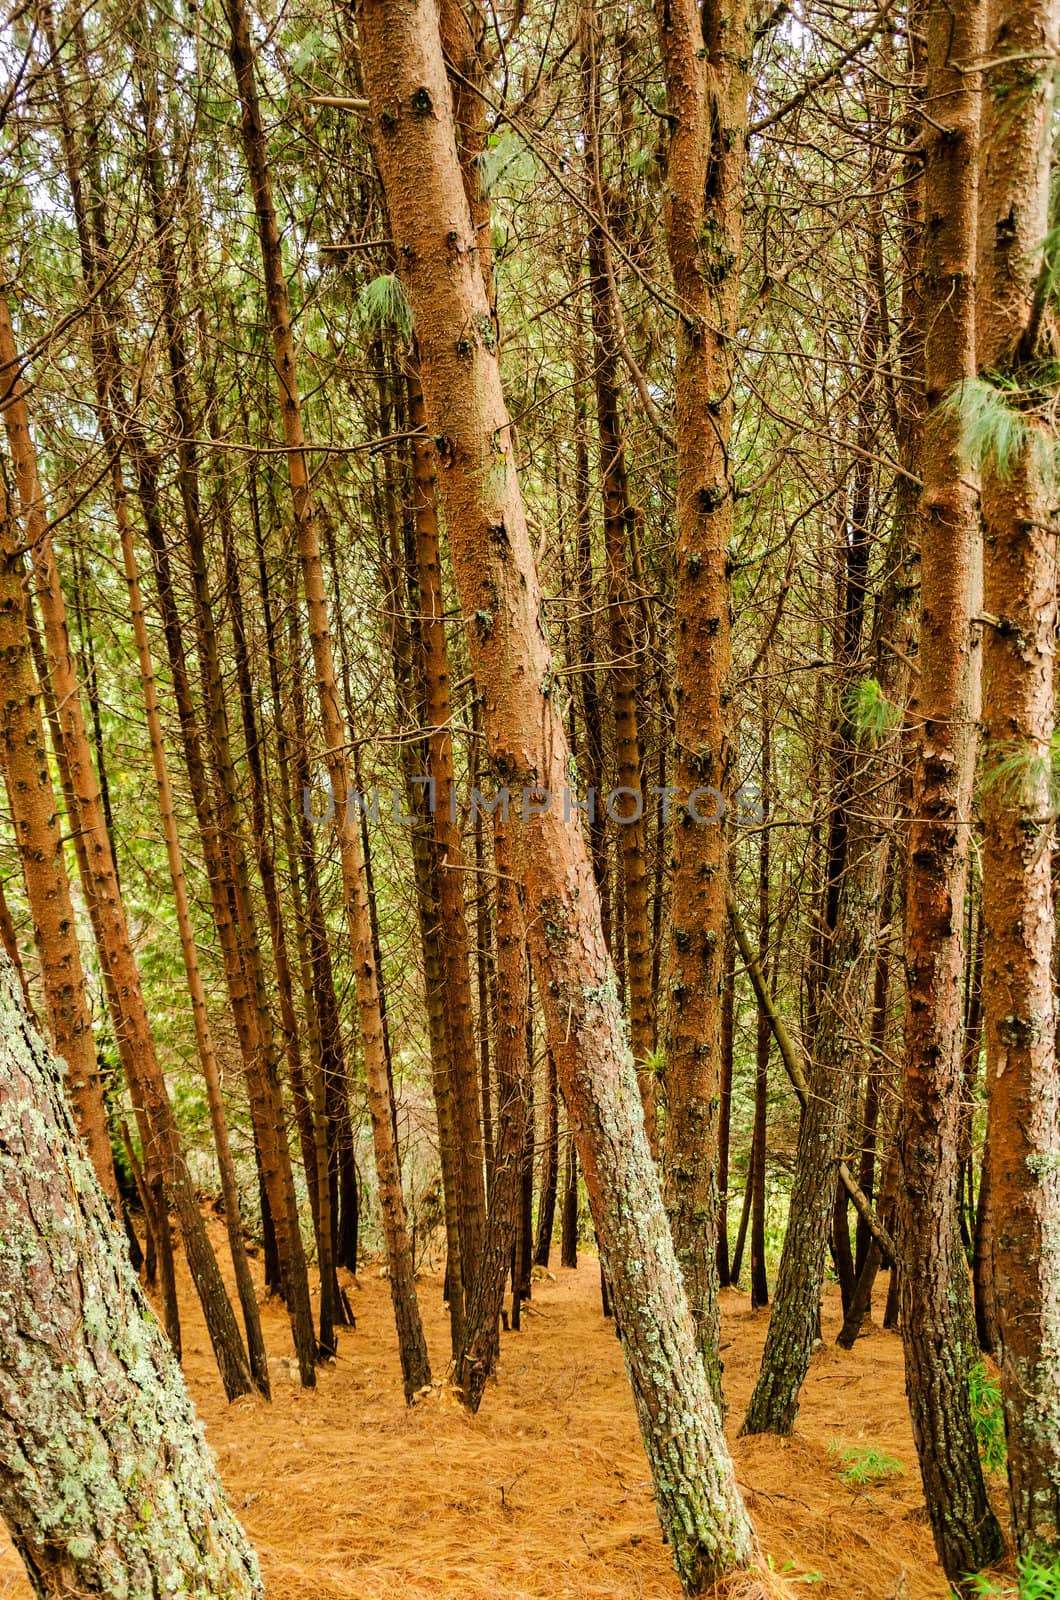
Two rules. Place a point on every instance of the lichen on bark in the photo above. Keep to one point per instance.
(107, 1485)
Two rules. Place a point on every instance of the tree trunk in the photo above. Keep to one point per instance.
(486, 1294)
(763, 1039)
(728, 1019)
(125, 995)
(546, 1201)
(1015, 278)
(449, 860)
(624, 672)
(411, 122)
(106, 1485)
(35, 817)
(196, 990)
(706, 60)
(934, 1279)
(415, 1365)
(569, 1244)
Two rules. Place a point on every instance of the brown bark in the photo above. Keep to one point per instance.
(624, 669)
(412, 128)
(125, 995)
(485, 1298)
(706, 58)
(448, 854)
(1019, 685)
(546, 1194)
(412, 1345)
(934, 1281)
(189, 951)
(34, 814)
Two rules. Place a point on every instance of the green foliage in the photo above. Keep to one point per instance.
(1020, 772)
(998, 424)
(861, 1466)
(984, 1392)
(1037, 1578)
(382, 304)
(869, 711)
(505, 156)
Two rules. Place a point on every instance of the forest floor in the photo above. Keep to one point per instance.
(348, 1495)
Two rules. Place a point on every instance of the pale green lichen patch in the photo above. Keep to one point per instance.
(106, 1482)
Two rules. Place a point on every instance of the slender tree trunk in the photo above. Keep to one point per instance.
(449, 859)
(934, 1280)
(546, 1201)
(1015, 284)
(486, 1293)
(35, 816)
(984, 1303)
(728, 1020)
(411, 122)
(106, 1486)
(125, 994)
(415, 1365)
(763, 1039)
(569, 1245)
(196, 989)
(624, 672)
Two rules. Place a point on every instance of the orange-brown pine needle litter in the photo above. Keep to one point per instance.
(348, 1495)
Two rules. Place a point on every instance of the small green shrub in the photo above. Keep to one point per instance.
(1038, 1578)
(861, 1466)
(984, 1392)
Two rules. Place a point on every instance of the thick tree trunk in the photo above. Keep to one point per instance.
(1019, 648)
(706, 59)
(412, 127)
(106, 1484)
(934, 1279)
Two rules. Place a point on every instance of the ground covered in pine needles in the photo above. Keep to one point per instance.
(349, 1496)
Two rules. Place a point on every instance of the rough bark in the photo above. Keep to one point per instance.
(34, 814)
(448, 854)
(706, 61)
(934, 1280)
(486, 1293)
(124, 992)
(107, 1485)
(1019, 647)
(412, 129)
(415, 1364)
(624, 671)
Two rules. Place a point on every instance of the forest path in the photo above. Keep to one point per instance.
(349, 1496)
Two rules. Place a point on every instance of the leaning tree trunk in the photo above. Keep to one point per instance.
(412, 127)
(706, 58)
(106, 1482)
(124, 992)
(1019, 640)
(934, 1280)
(35, 817)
